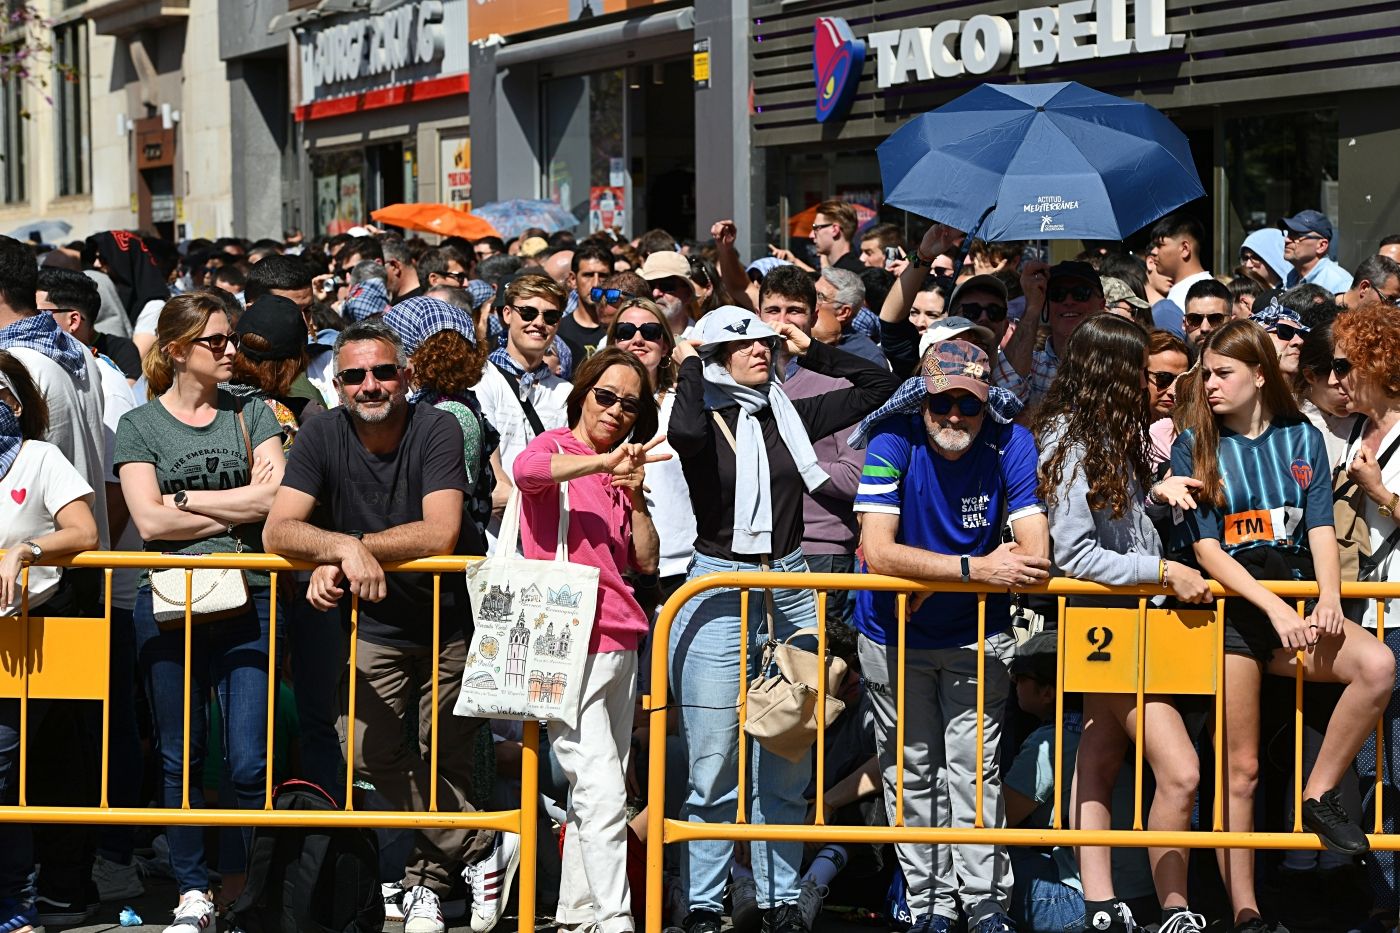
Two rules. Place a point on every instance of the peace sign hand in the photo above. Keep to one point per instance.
(628, 461)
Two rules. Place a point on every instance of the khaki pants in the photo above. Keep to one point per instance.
(387, 677)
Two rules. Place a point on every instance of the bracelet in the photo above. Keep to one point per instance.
(919, 262)
(966, 569)
(1162, 574)
(1152, 496)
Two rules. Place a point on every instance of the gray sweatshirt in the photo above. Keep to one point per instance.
(1089, 544)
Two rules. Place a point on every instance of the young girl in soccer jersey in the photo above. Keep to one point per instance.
(1265, 513)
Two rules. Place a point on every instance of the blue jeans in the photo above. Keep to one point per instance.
(1040, 901)
(320, 650)
(229, 656)
(124, 764)
(705, 679)
(16, 839)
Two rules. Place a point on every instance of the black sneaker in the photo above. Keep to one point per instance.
(701, 921)
(1339, 832)
(1116, 919)
(63, 911)
(1259, 925)
(785, 918)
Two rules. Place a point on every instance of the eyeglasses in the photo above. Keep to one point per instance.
(217, 343)
(611, 295)
(1341, 366)
(1290, 235)
(1162, 380)
(384, 372)
(607, 398)
(969, 406)
(1077, 292)
(1194, 319)
(651, 331)
(1286, 332)
(528, 314)
(972, 311)
(816, 227)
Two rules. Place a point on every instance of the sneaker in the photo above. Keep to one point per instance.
(1118, 920)
(932, 923)
(995, 923)
(1183, 921)
(700, 921)
(116, 882)
(16, 916)
(196, 912)
(63, 911)
(1328, 818)
(422, 911)
(744, 913)
(1259, 925)
(393, 901)
(785, 918)
(809, 902)
(490, 881)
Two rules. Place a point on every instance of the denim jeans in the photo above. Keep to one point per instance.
(229, 656)
(320, 649)
(16, 839)
(706, 679)
(1040, 901)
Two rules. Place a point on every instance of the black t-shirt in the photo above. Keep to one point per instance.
(360, 491)
(583, 341)
(851, 263)
(121, 351)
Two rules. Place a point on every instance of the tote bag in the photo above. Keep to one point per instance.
(534, 620)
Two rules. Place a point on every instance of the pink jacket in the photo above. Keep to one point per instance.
(600, 534)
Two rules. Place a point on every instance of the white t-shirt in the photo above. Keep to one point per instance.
(75, 422)
(321, 374)
(117, 400)
(1179, 290)
(38, 485)
(669, 502)
(149, 317)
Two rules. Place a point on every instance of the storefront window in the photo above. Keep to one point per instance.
(585, 139)
(1277, 165)
(340, 202)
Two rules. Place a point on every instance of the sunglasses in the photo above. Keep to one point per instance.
(458, 277)
(1194, 319)
(1286, 332)
(384, 372)
(969, 406)
(1077, 292)
(626, 330)
(1162, 380)
(528, 314)
(611, 295)
(1341, 366)
(672, 285)
(1290, 235)
(607, 398)
(973, 311)
(217, 343)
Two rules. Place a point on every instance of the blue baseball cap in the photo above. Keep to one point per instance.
(1308, 222)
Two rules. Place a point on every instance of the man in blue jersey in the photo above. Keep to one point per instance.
(936, 491)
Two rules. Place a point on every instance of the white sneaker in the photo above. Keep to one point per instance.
(490, 881)
(116, 882)
(1183, 921)
(393, 898)
(422, 911)
(196, 912)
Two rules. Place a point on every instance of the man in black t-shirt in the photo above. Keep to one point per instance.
(583, 328)
(388, 481)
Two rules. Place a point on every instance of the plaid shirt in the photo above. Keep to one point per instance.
(1044, 364)
(1005, 375)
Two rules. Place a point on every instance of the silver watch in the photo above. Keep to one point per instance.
(35, 551)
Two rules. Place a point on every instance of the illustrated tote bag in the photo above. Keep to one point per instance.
(534, 620)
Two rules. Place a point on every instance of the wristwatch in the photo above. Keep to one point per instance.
(182, 498)
(357, 535)
(1389, 509)
(35, 551)
(966, 569)
(919, 262)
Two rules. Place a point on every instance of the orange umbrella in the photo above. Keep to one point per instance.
(800, 225)
(435, 218)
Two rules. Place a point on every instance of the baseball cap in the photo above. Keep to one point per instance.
(981, 283)
(1037, 657)
(727, 324)
(956, 364)
(533, 246)
(1115, 290)
(1308, 222)
(1070, 269)
(278, 321)
(953, 328)
(664, 265)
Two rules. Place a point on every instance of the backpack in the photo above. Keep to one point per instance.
(310, 879)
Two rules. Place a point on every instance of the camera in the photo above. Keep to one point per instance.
(332, 284)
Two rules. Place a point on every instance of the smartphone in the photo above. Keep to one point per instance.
(893, 254)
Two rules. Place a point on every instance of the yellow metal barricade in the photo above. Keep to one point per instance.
(1139, 650)
(59, 658)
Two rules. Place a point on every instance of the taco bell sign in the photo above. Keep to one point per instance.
(1076, 30)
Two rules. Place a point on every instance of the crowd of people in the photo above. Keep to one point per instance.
(936, 409)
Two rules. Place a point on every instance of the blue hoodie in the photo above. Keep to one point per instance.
(1268, 245)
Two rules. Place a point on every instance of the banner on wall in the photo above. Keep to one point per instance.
(607, 208)
(351, 209)
(456, 161)
(506, 17)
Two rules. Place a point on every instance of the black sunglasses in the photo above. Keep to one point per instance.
(217, 343)
(527, 314)
(1193, 319)
(969, 406)
(972, 311)
(1341, 366)
(608, 398)
(355, 375)
(611, 295)
(1286, 332)
(626, 330)
(1162, 380)
(1077, 292)
(458, 277)
(672, 285)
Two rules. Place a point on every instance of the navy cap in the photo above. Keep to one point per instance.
(1308, 222)
(1070, 269)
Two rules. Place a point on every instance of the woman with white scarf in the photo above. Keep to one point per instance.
(747, 498)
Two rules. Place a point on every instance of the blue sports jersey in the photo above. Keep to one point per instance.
(1277, 488)
(947, 507)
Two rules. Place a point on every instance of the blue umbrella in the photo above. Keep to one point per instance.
(50, 231)
(515, 216)
(1040, 161)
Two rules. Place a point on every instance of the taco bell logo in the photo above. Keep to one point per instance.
(838, 58)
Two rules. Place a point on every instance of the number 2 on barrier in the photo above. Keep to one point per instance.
(1100, 636)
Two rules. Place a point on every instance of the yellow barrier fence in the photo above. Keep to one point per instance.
(1141, 650)
(61, 658)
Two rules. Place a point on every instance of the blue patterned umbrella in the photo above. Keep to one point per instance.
(515, 216)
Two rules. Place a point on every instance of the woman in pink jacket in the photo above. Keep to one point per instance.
(602, 455)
